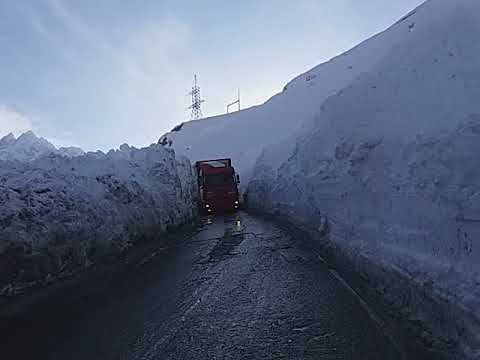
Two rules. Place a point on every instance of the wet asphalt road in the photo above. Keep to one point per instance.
(241, 288)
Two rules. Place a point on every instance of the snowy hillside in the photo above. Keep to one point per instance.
(390, 170)
(29, 147)
(59, 213)
(243, 135)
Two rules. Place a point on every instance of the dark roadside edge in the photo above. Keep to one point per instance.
(23, 317)
(378, 288)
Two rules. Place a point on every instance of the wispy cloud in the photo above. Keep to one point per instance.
(137, 72)
(13, 121)
(78, 27)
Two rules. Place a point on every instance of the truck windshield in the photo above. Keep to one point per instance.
(219, 180)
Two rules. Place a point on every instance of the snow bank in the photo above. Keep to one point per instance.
(59, 213)
(389, 172)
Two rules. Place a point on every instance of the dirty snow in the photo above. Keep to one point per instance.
(389, 166)
(58, 212)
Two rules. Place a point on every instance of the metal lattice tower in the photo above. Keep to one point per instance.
(197, 101)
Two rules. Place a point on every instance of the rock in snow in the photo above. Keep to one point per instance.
(7, 140)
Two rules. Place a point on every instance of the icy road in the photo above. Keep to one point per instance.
(240, 288)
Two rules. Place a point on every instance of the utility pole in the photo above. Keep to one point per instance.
(234, 103)
(197, 101)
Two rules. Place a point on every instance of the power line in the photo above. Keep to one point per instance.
(234, 103)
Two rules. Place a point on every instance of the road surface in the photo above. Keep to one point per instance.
(240, 288)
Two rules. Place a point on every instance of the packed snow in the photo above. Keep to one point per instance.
(61, 213)
(29, 147)
(389, 166)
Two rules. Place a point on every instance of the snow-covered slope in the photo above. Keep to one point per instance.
(243, 135)
(59, 213)
(390, 168)
(29, 147)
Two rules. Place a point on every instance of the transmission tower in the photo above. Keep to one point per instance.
(197, 101)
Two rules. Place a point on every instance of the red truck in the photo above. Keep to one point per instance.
(217, 185)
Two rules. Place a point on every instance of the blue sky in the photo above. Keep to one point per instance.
(97, 73)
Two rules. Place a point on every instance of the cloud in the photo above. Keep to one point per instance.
(13, 121)
(78, 27)
(140, 73)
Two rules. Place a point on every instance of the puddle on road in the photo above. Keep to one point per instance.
(238, 225)
(233, 235)
(207, 220)
(225, 247)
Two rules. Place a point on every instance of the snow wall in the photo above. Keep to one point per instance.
(388, 177)
(60, 214)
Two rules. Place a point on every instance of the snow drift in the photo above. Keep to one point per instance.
(389, 171)
(59, 213)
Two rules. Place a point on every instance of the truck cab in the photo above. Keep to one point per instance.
(217, 186)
